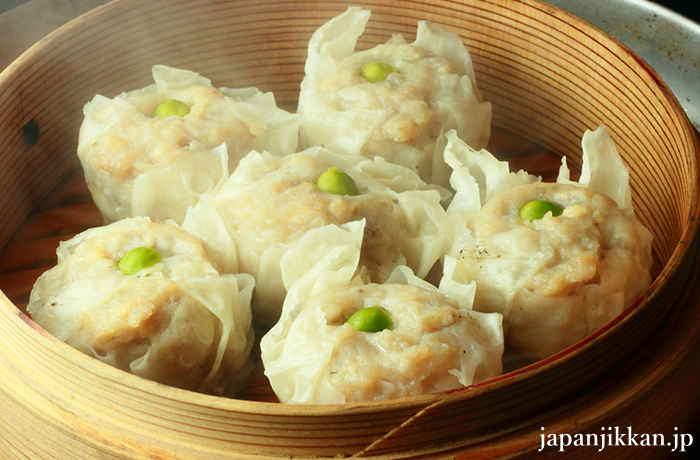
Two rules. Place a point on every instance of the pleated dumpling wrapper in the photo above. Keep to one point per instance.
(558, 260)
(150, 299)
(395, 100)
(153, 151)
(270, 202)
(421, 341)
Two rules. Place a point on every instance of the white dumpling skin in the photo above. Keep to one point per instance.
(136, 164)
(180, 322)
(436, 342)
(270, 204)
(556, 279)
(402, 118)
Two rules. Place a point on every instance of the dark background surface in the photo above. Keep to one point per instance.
(6, 5)
(687, 8)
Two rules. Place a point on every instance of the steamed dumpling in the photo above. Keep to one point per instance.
(139, 164)
(434, 342)
(179, 321)
(402, 117)
(559, 277)
(271, 202)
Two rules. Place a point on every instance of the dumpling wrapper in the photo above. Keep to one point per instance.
(603, 170)
(180, 322)
(269, 203)
(556, 279)
(402, 119)
(139, 165)
(435, 345)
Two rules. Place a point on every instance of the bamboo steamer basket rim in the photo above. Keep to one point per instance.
(198, 406)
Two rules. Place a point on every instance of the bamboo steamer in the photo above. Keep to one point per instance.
(549, 76)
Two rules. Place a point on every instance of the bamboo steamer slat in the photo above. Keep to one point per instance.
(549, 77)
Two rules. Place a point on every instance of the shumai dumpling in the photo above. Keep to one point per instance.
(558, 260)
(153, 151)
(342, 340)
(395, 100)
(150, 299)
(270, 202)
